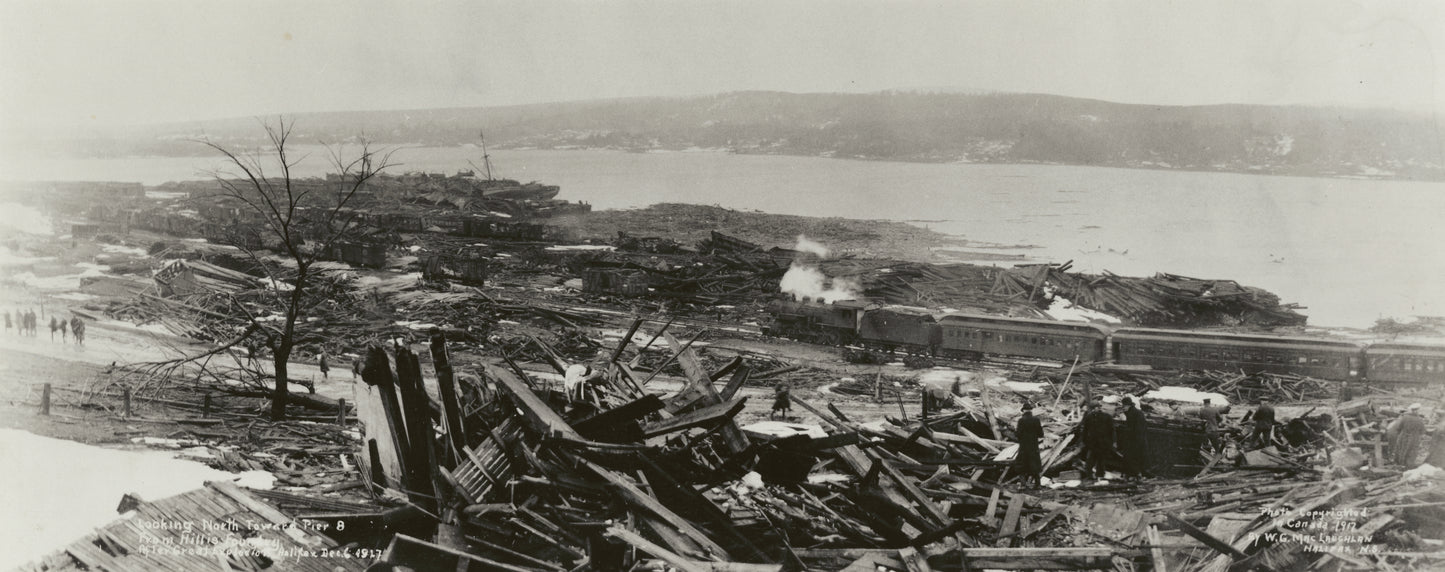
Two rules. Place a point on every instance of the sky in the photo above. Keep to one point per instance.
(119, 62)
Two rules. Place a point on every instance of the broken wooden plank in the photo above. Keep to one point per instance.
(616, 421)
(537, 413)
(1068, 558)
(1011, 518)
(1156, 552)
(1208, 539)
(636, 497)
(914, 561)
(422, 555)
(722, 412)
(739, 378)
(682, 563)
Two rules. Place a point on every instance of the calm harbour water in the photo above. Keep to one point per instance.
(1351, 250)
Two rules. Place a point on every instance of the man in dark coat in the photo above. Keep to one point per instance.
(1098, 438)
(1133, 443)
(1210, 414)
(782, 402)
(1404, 435)
(1263, 424)
(1029, 432)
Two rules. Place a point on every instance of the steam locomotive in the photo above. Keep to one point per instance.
(966, 336)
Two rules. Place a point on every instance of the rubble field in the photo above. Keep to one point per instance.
(595, 391)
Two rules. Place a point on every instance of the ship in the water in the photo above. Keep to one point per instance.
(508, 189)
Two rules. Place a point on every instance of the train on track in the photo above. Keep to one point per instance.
(966, 336)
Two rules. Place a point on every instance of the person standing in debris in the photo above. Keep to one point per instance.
(1263, 424)
(782, 402)
(8, 323)
(1404, 435)
(53, 327)
(1029, 432)
(64, 327)
(1133, 441)
(325, 367)
(77, 327)
(31, 324)
(1347, 392)
(574, 381)
(1098, 438)
(1210, 414)
(356, 368)
(1436, 454)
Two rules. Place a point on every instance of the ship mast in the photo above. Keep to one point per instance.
(486, 158)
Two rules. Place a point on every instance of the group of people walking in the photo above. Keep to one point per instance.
(1097, 435)
(27, 324)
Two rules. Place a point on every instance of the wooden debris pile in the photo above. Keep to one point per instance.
(1165, 300)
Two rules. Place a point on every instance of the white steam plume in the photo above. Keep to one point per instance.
(811, 246)
(805, 280)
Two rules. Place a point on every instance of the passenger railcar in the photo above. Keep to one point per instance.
(916, 330)
(1179, 349)
(1405, 363)
(974, 336)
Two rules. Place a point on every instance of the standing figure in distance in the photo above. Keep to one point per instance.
(53, 327)
(1029, 432)
(1133, 443)
(325, 367)
(64, 326)
(1098, 438)
(1210, 414)
(1405, 434)
(782, 402)
(1263, 424)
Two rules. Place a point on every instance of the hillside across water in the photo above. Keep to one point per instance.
(894, 126)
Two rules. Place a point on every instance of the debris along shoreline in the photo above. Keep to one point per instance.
(525, 397)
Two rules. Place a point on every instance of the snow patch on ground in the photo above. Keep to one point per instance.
(25, 219)
(119, 249)
(1186, 395)
(9, 258)
(1063, 309)
(62, 490)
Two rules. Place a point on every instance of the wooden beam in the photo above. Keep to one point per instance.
(1156, 554)
(622, 344)
(636, 497)
(913, 560)
(447, 388)
(727, 368)
(706, 416)
(1081, 558)
(739, 378)
(1208, 539)
(422, 555)
(536, 411)
(652, 548)
(1011, 518)
(606, 421)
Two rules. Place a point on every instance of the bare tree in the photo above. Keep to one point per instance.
(301, 220)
